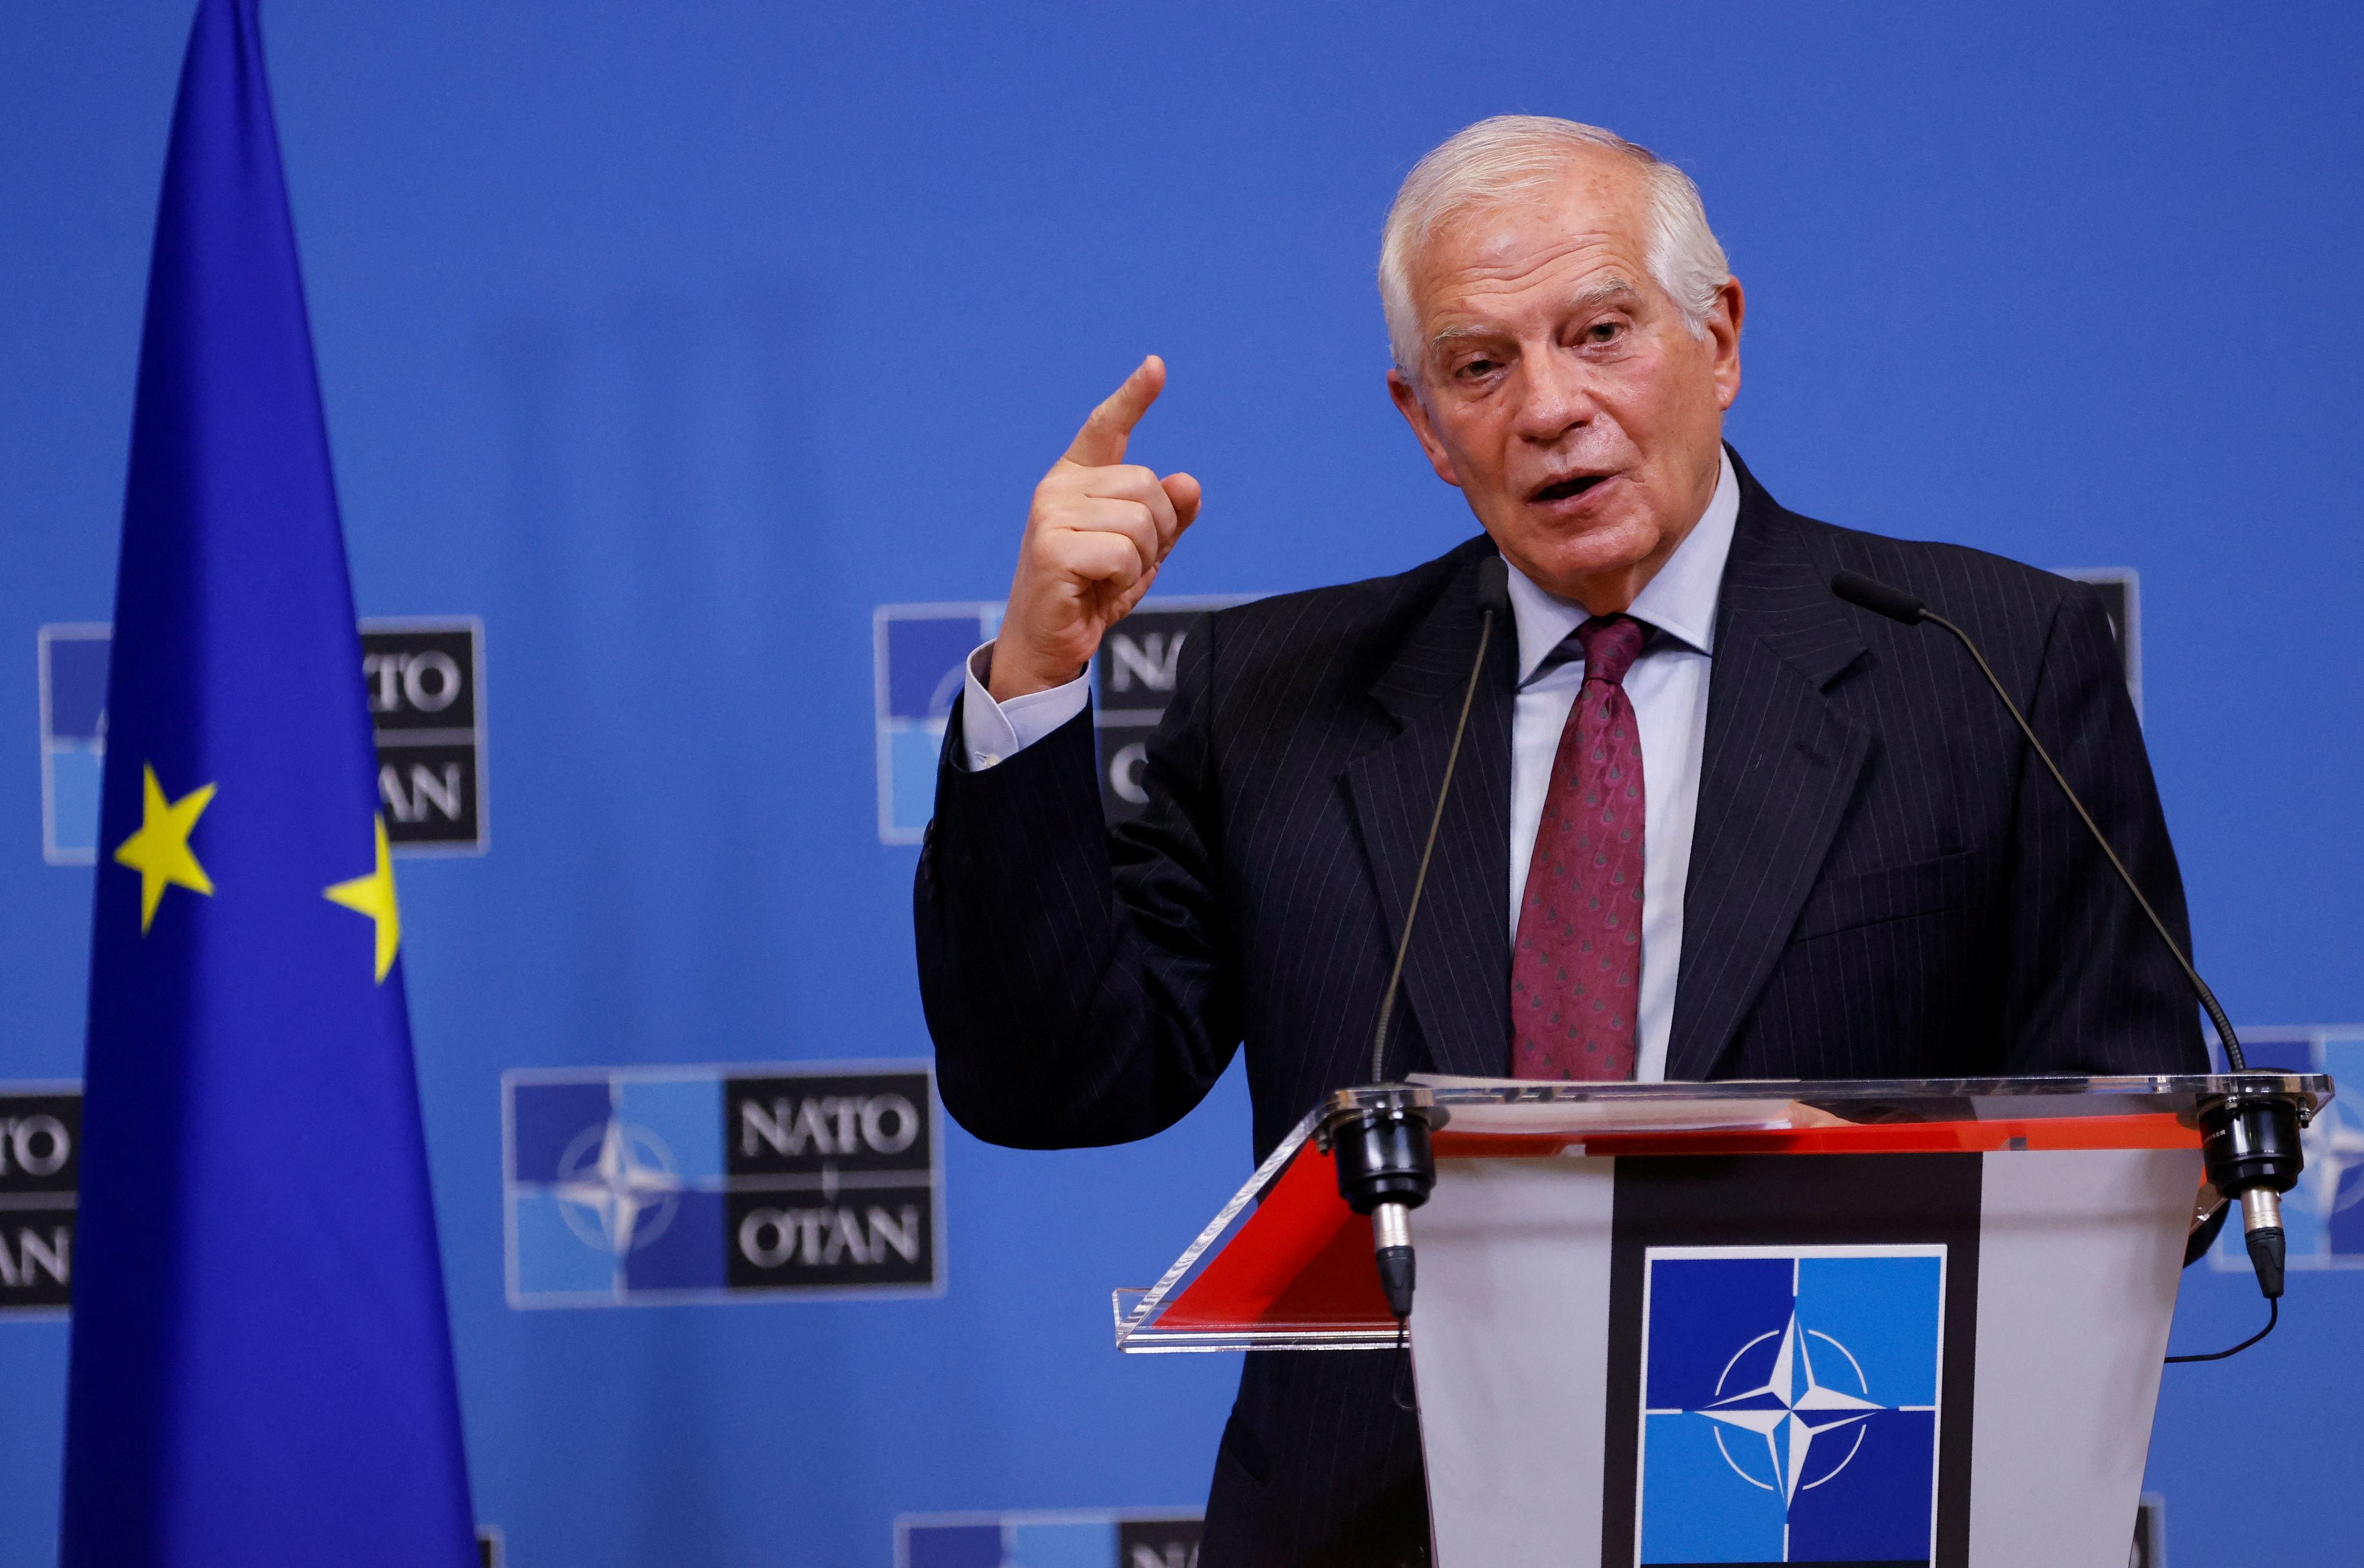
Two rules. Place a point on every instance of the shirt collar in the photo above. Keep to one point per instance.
(1680, 600)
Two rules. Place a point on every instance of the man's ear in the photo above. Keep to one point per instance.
(1415, 413)
(1723, 336)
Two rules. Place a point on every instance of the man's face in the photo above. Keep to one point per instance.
(1560, 388)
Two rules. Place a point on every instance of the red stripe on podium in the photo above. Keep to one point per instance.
(1302, 1260)
(2037, 1134)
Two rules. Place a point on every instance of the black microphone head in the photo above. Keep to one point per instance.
(1494, 586)
(1878, 597)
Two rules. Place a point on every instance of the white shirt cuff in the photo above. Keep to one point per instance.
(994, 732)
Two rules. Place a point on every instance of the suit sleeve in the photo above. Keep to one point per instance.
(2088, 985)
(1075, 981)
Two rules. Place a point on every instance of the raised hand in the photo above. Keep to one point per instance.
(1096, 536)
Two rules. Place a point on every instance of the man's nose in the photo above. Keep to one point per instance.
(1556, 395)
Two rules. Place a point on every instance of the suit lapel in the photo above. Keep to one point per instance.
(1457, 977)
(1777, 770)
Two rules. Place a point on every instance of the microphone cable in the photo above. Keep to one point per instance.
(2256, 1134)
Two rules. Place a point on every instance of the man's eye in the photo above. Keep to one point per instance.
(1478, 367)
(1603, 331)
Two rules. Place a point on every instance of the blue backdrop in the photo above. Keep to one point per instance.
(670, 340)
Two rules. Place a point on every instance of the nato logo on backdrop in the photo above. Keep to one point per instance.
(73, 738)
(2121, 591)
(1167, 1538)
(645, 1184)
(425, 680)
(2323, 1217)
(919, 662)
(1789, 1404)
(2151, 1533)
(41, 1139)
(424, 685)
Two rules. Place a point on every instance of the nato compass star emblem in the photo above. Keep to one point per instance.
(617, 1185)
(1806, 1424)
(2334, 1150)
(2324, 1215)
(1789, 1404)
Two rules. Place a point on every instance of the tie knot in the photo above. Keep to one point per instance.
(1611, 645)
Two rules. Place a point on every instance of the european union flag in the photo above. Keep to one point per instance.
(262, 1363)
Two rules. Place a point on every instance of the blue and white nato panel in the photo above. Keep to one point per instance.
(636, 1185)
(919, 662)
(40, 1172)
(425, 684)
(2323, 1217)
(73, 738)
(1790, 1399)
(1164, 1539)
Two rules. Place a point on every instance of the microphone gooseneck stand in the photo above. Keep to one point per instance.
(2249, 1137)
(1386, 1167)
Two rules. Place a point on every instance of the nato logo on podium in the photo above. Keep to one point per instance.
(1790, 1405)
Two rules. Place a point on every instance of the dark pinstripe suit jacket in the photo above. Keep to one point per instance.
(1882, 884)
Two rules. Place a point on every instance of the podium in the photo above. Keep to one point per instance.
(1747, 1323)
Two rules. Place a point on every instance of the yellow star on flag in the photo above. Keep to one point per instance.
(158, 850)
(374, 895)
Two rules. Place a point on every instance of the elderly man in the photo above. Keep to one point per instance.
(1709, 821)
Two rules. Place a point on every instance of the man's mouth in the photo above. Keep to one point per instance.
(1566, 489)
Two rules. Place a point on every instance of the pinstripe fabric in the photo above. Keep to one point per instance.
(1882, 884)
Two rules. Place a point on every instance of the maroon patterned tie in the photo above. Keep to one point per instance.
(1578, 972)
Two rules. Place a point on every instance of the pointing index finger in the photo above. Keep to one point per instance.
(1102, 440)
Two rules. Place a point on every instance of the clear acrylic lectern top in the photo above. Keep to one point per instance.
(1286, 1265)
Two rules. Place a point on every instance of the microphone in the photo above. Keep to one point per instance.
(2249, 1141)
(1385, 1168)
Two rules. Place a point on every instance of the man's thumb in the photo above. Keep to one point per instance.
(1183, 492)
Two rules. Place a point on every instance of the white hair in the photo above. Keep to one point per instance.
(1513, 154)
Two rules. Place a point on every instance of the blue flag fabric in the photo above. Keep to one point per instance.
(262, 1363)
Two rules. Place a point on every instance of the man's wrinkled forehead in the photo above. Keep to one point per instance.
(1592, 224)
